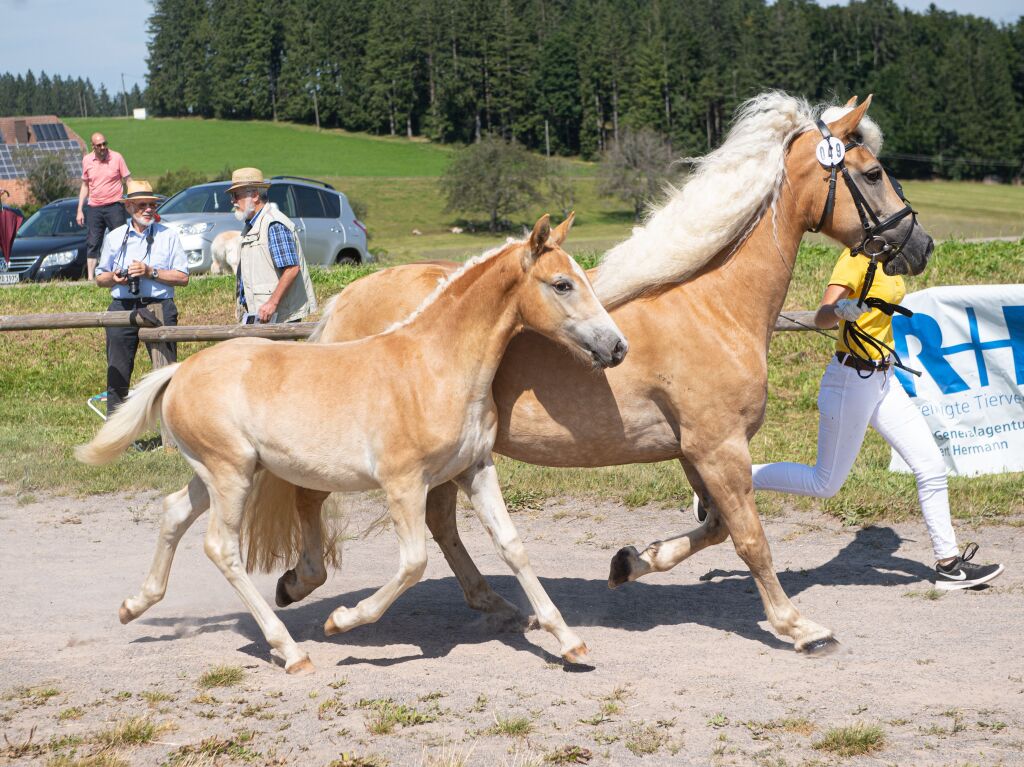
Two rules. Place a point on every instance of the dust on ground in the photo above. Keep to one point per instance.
(685, 668)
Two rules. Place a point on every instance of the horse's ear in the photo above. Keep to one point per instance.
(539, 236)
(852, 102)
(558, 234)
(847, 124)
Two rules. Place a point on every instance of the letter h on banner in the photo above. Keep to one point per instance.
(933, 354)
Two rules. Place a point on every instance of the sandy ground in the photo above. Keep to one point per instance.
(685, 668)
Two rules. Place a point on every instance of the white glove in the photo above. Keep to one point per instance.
(848, 309)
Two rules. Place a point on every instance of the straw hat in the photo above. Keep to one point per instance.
(141, 190)
(244, 178)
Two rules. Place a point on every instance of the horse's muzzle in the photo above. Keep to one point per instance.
(611, 357)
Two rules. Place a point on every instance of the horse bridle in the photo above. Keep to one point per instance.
(873, 244)
(832, 153)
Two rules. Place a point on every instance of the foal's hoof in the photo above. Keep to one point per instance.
(302, 666)
(124, 614)
(577, 655)
(820, 647)
(281, 596)
(331, 628)
(623, 564)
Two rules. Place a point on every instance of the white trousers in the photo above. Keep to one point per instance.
(847, 405)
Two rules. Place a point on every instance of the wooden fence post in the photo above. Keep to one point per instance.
(159, 354)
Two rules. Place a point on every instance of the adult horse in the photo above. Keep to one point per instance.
(697, 290)
(426, 417)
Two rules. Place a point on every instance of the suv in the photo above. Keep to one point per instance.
(329, 231)
(49, 245)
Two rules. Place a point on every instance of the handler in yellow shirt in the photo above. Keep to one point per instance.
(858, 389)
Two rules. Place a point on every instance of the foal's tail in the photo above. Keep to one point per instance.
(272, 531)
(134, 417)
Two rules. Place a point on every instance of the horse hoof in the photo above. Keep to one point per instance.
(331, 628)
(124, 615)
(281, 596)
(300, 667)
(622, 566)
(820, 647)
(577, 655)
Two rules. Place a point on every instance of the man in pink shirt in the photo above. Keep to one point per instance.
(103, 177)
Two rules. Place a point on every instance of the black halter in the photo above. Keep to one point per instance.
(873, 245)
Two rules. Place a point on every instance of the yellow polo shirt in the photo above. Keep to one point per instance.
(850, 272)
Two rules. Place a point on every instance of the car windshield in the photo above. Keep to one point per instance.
(52, 221)
(208, 198)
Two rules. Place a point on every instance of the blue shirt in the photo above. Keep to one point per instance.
(124, 245)
(282, 250)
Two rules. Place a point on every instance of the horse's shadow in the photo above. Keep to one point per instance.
(433, 616)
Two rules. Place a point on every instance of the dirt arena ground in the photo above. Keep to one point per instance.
(685, 669)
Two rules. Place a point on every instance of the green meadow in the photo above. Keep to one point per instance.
(396, 179)
(47, 376)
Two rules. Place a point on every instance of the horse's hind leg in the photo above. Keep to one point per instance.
(228, 489)
(443, 525)
(181, 509)
(309, 572)
(726, 475)
(628, 564)
(406, 506)
(481, 485)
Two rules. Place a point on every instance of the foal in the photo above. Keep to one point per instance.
(416, 411)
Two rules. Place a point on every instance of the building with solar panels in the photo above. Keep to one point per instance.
(24, 137)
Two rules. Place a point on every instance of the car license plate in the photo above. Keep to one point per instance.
(9, 278)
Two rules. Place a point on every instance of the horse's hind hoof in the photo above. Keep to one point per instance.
(300, 667)
(622, 566)
(819, 648)
(577, 655)
(125, 615)
(281, 596)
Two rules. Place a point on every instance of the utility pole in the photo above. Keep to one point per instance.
(124, 95)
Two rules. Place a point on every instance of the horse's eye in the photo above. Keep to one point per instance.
(563, 287)
(873, 176)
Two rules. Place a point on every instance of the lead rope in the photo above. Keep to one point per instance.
(857, 340)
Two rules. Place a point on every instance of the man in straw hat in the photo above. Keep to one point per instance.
(141, 262)
(273, 282)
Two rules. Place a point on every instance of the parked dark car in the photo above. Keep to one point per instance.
(49, 245)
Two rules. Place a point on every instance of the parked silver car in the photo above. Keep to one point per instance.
(330, 231)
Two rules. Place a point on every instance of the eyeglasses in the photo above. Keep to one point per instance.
(236, 196)
(145, 205)
(99, 145)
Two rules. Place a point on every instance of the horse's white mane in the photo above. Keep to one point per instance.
(722, 200)
(442, 285)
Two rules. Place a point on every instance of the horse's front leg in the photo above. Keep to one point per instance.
(406, 501)
(628, 564)
(443, 525)
(725, 472)
(481, 485)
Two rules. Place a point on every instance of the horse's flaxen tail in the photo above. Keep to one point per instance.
(138, 413)
(272, 525)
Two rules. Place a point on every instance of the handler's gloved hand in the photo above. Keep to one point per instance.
(849, 310)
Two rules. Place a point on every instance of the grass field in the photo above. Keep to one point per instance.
(46, 377)
(397, 180)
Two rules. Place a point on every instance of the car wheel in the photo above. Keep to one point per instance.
(346, 260)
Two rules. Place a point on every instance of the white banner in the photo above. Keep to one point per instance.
(968, 342)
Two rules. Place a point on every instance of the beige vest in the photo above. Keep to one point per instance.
(260, 276)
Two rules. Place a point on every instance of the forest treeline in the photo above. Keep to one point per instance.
(30, 94)
(567, 76)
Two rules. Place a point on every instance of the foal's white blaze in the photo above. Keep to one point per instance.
(587, 323)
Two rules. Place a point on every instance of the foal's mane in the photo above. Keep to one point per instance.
(721, 202)
(442, 285)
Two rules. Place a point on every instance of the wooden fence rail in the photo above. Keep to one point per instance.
(184, 333)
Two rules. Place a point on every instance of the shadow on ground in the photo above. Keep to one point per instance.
(433, 616)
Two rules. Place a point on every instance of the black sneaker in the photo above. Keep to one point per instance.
(700, 512)
(961, 573)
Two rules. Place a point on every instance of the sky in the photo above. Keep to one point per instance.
(105, 39)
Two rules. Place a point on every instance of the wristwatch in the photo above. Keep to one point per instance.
(155, 274)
